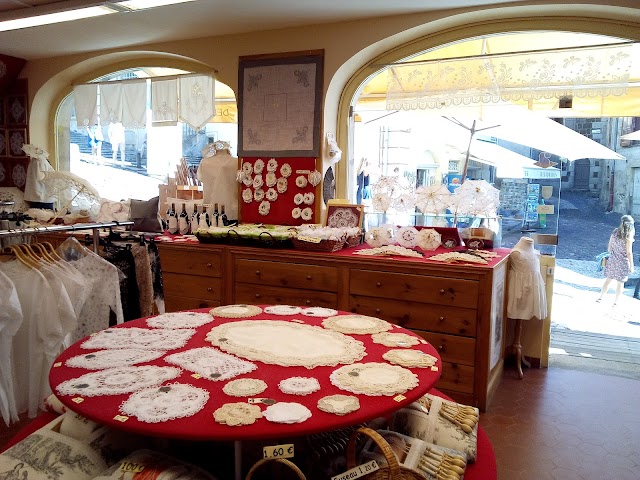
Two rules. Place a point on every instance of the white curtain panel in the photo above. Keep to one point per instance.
(86, 100)
(164, 101)
(134, 104)
(197, 99)
(110, 102)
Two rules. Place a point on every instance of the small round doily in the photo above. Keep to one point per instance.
(270, 179)
(306, 214)
(236, 414)
(244, 387)
(319, 312)
(410, 358)
(168, 402)
(180, 320)
(356, 324)
(285, 412)
(339, 404)
(258, 166)
(272, 165)
(374, 379)
(264, 207)
(389, 339)
(285, 170)
(299, 385)
(407, 237)
(282, 310)
(247, 195)
(236, 311)
(116, 357)
(281, 185)
(296, 212)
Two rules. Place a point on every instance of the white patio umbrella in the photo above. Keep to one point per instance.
(631, 136)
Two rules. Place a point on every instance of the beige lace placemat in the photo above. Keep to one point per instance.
(237, 414)
(244, 387)
(356, 324)
(389, 339)
(339, 404)
(299, 385)
(236, 311)
(410, 358)
(374, 379)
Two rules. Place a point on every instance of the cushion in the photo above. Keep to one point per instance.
(145, 215)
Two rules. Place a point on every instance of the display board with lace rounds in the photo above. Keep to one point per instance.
(117, 357)
(339, 404)
(244, 387)
(374, 379)
(299, 385)
(135, 337)
(180, 320)
(286, 343)
(390, 339)
(287, 412)
(168, 402)
(410, 358)
(429, 239)
(407, 237)
(282, 310)
(319, 312)
(117, 380)
(237, 414)
(236, 311)
(211, 363)
(356, 324)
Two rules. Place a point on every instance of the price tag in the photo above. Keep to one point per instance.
(196, 375)
(278, 451)
(434, 368)
(131, 467)
(77, 400)
(359, 471)
(399, 398)
(57, 364)
(256, 400)
(121, 418)
(305, 238)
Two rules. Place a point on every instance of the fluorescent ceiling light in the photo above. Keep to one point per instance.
(145, 4)
(57, 17)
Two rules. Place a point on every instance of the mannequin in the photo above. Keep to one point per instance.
(217, 172)
(527, 292)
(35, 191)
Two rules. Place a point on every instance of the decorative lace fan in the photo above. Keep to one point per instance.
(72, 192)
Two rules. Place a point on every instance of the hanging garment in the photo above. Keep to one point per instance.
(123, 259)
(156, 273)
(527, 290)
(144, 279)
(10, 321)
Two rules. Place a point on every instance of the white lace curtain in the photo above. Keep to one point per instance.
(586, 72)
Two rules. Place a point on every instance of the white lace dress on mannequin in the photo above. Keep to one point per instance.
(10, 321)
(218, 177)
(527, 294)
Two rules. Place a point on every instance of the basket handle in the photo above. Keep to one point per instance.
(390, 457)
(284, 461)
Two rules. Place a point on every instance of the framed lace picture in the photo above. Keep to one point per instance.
(344, 215)
(279, 104)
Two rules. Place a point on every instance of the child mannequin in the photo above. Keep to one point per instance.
(217, 172)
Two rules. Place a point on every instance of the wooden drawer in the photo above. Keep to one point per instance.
(420, 316)
(292, 275)
(456, 377)
(174, 303)
(191, 262)
(452, 348)
(249, 293)
(418, 288)
(194, 286)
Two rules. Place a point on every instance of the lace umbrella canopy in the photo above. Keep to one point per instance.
(476, 198)
(74, 194)
(433, 199)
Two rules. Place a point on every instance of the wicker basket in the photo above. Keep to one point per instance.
(392, 471)
(283, 461)
(322, 246)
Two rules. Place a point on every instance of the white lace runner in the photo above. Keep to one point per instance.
(356, 324)
(339, 404)
(374, 379)
(135, 337)
(282, 310)
(211, 363)
(236, 414)
(410, 358)
(180, 320)
(286, 343)
(113, 358)
(236, 311)
(244, 387)
(389, 339)
(319, 312)
(168, 402)
(118, 380)
(285, 412)
(299, 385)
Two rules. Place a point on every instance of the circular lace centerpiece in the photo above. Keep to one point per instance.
(119, 357)
(374, 379)
(168, 402)
(285, 343)
(180, 320)
(356, 324)
(236, 311)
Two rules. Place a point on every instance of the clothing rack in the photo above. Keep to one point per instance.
(66, 228)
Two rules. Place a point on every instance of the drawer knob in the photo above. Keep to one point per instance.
(441, 319)
(441, 347)
(209, 289)
(377, 310)
(378, 284)
(209, 265)
(441, 291)
(308, 302)
(258, 295)
(258, 273)
(308, 277)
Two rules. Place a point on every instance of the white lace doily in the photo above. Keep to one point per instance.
(119, 357)
(236, 414)
(339, 404)
(374, 379)
(410, 358)
(287, 412)
(389, 339)
(244, 387)
(168, 402)
(319, 312)
(211, 363)
(236, 311)
(134, 337)
(180, 320)
(282, 310)
(118, 380)
(299, 385)
(286, 343)
(356, 324)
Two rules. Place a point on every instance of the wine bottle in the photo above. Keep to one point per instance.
(193, 225)
(203, 220)
(183, 221)
(223, 216)
(216, 215)
(172, 221)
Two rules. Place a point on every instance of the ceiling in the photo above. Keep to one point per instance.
(197, 19)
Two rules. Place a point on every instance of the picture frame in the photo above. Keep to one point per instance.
(341, 214)
(16, 137)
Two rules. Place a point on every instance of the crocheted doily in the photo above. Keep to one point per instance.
(244, 387)
(389, 339)
(235, 414)
(356, 324)
(134, 337)
(410, 358)
(299, 385)
(285, 412)
(286, 343)
(282, 310)
(319, 312)
(180, 320)
(211, 363)
(119, 357)
(236, 311)
(374, 379)
(339, 404)
(168, 402)
(118, 380)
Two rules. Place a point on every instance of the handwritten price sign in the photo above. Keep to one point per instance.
(278, 451)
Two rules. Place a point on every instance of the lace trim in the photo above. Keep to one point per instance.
(389, 339)
(389, 250)
(299, 385)
(356, 324)
(282, 310)
(118, 380)
(236, 311)
(169, 402)
(374, 379)
(450, 257)
(236, 414)
(135, 337)
(244, 387)
(339, 404)
(180, 320)
(410, 358)
(113, 358)
(285, 343)
(319, 312)
(211, 363)
(284, 412)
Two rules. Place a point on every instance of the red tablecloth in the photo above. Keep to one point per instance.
(202, 425)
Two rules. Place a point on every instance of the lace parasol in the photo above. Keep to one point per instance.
(72, 192)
